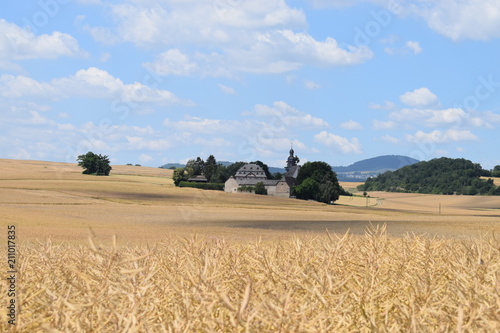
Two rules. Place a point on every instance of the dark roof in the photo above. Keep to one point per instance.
(199, 178)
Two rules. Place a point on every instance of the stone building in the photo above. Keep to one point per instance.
(250, 174)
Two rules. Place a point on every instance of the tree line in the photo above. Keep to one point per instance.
(215, 172)
(437, 176)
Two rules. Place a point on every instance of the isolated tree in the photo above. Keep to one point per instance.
(94, 164)
(260, 188)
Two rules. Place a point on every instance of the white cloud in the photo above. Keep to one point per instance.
(19, 44)
(414, 46)
(438, 136)
(283, 113)
(339, 143)
(226, 89)
(92, 83)
(409, 47)
(351, 125)
(457, 20)
(419, 97)
(261, 36)
(430, 117)
(206, 126)
(172, 62)
(466, 19)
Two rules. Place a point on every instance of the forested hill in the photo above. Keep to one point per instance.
(438, 176)
(387, 162)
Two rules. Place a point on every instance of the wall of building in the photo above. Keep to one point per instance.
(231, 186)
(282, 190)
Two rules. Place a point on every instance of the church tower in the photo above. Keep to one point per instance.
(292, 160)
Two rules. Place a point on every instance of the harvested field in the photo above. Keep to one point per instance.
(140, 204)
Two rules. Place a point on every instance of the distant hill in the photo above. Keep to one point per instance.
(438, 176)
(170, 165)
(372, 167)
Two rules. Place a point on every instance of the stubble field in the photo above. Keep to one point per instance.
(132, 253)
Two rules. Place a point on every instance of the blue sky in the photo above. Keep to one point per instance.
(152, 82)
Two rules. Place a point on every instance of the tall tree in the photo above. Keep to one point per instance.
(210, 168)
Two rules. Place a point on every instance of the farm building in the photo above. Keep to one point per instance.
(250, 174)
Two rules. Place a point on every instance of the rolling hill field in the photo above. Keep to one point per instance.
(132, 253)
(141, 204)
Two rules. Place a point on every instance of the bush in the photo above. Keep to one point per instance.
(260, 188)
(203, 186)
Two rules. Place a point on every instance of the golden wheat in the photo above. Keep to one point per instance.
(328, 283)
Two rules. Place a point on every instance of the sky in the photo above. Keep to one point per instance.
(154, 82)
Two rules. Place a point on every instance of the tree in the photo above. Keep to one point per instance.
(197, 167)
(317, 181)
(260, 188)
(210, 168)
(308, 189)
(180, 175)
(277, 175)
(496, 171)
(94, 164)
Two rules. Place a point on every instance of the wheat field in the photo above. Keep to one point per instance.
(327, 283)
(132, 253)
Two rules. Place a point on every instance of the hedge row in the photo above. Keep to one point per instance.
(203, 186)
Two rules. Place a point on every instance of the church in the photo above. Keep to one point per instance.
(250, 174)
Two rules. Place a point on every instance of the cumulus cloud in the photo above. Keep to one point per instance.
(457, 20)
(92, 83)
(20, 44)
(431, 117)
(172, 62)
(262, 36)
(339, 143)
(419, 97)
(438, 136)
(289, 116)
(351, 125)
